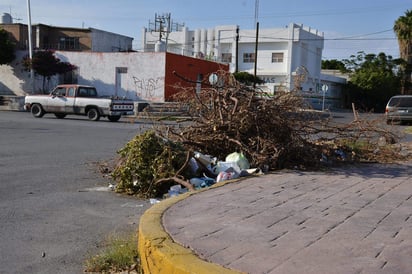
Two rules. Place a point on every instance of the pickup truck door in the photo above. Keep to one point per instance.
(70, 99)
(56, 102)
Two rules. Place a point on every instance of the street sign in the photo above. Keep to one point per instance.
(213, 78)
(325, 88)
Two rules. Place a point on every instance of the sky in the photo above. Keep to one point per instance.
(348, 26)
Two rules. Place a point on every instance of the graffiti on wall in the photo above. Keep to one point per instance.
(147, 88)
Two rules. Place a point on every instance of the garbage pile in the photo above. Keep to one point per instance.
(207, 171)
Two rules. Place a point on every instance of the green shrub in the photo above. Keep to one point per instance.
(144, 160)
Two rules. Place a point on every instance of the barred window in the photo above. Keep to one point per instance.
(69, 43)
(248, 57)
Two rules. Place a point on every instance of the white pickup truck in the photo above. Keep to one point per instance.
(78, 100)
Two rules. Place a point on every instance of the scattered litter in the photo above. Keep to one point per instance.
(111, 187)
(340, 154)
(194, 166)
(205, 159)
(205, 167)
(324, 159)
(133, 205)
(98, 188)
(202, 182)
(175, 190)
(154, 201)
(223, 166)
(196, 182)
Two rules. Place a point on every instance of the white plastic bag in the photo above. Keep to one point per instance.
(239, 159)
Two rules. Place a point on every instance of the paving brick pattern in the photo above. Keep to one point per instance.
(357, 219)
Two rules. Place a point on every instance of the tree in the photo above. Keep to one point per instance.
(247, 78)
(373, 79)
(6, 48)
(334, 64)
(403, 30)
(46, 64)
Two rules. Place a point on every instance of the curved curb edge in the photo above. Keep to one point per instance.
(160, 254)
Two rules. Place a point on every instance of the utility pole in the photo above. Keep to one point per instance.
(30, 44)
(237, 50)
(256, 11)
(257, 40)
(256, 53)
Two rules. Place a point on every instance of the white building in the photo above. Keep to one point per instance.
(282, 52)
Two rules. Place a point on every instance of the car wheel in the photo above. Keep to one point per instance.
(93, 114)
(60, 115)
(113, 118)
(37, 111)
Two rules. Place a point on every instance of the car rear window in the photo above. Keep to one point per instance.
(401, 102)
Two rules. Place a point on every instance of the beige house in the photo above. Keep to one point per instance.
(66, 38)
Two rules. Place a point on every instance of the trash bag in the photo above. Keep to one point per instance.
(223, 166)
(239, 159)
(229, 174)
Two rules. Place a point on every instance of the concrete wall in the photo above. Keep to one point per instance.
(14, 80)
(134, 75)
(195, 72)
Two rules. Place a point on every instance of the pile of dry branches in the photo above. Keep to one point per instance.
(273, 132)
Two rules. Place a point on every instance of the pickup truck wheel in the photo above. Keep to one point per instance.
(113, 118)
(93, 114)
(60, 115)
(37, 111)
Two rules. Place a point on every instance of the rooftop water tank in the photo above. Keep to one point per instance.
(6, 19)
(160, 46)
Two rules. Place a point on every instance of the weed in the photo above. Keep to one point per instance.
(119, 254)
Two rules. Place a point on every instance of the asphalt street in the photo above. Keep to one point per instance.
(55, 208)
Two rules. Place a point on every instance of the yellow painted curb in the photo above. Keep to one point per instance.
(160, 254)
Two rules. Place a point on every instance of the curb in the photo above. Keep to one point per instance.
(160, 254)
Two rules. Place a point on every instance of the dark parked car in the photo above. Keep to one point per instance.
(399, 109)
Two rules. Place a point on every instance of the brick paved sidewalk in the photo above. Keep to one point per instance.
(351, 220)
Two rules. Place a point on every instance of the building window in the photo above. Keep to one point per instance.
(69, 43)
(121, 70)
(227, 57)
(248, 57)
(277, 57)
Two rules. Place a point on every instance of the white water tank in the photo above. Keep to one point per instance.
(160, 46)
(6, 19)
